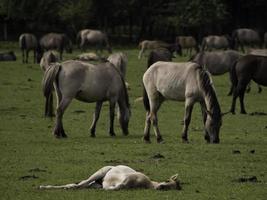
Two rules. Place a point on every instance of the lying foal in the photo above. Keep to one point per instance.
(119, 177)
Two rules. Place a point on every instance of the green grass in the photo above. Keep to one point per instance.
(206, 171)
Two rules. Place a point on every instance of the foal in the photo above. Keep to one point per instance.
(119, 177)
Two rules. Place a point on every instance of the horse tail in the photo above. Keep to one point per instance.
(49, 78)
(22, 42)
(233, 76)
(145, 99)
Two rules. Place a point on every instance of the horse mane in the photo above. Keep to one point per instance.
(123, 84)
(207, 87)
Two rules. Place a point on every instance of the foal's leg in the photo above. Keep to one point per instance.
(59, 130)
(111, 117)
(187, 118)
(96, 117)
(141, 53)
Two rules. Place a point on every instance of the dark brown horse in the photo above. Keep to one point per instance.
(56, 41)
(250, 67)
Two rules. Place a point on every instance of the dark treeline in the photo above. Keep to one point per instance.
(132, 20)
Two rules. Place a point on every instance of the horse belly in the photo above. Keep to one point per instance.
(91, 94)
(173, 92)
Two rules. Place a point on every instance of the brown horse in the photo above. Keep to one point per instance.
(249, 67)
(56, 41)
(187, 42)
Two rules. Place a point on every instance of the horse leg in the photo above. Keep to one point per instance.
(96, 117)
(23, 56)
(235, 95)
(111, 117)
(59, 130)
(27, 55)
(204, 117)
(147, 128)
(187, 118)
(34, 57)
(259, 89)
(241, 98)
(141, 53)
(154, 118)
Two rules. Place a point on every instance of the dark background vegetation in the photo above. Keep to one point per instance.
(132, 20)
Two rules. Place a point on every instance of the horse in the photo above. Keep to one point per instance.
(215, 42)
(96, 38)
(27, 43)
(117, 178)
(187, 82)
(244, 36)
(154, 44)
(48, 58)
(88, 83)
(56, 41)
(187, 42)
(217, 62)
(8, 56)
(249, 67)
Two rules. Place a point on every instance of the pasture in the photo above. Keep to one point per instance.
(32, 156)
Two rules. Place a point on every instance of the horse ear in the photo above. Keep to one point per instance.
(174, 177)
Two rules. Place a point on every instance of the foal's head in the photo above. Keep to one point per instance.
(171, 184)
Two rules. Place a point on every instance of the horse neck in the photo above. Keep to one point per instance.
(209, 94)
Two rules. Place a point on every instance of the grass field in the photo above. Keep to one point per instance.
(31, 155)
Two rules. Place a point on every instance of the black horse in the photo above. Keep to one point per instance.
(250, 67)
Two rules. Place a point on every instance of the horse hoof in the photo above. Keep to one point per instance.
(243, 112)
(112, 134)
(185, 141)
(146, 140)
(160, 141)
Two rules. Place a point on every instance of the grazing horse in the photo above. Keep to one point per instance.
(154, 44)
(249, 67)
(56, 41)
(96, 38)
(187, 42)
(215, 42)
(187, 82)
(217, 62)
(244, 36)
(8, 56)
(27, 43)
(119, 177)
(88, 83)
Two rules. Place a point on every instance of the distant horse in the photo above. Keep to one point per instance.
(88, 83)
(215, 42)
(27, 43)
(160, 54)
(56, 41)
(245, 37)
(117, 178)
(8, 56)
(95, 38)
(187, 82)
(154, 44)
(187, 42)
(249, 67)
(217, 62)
